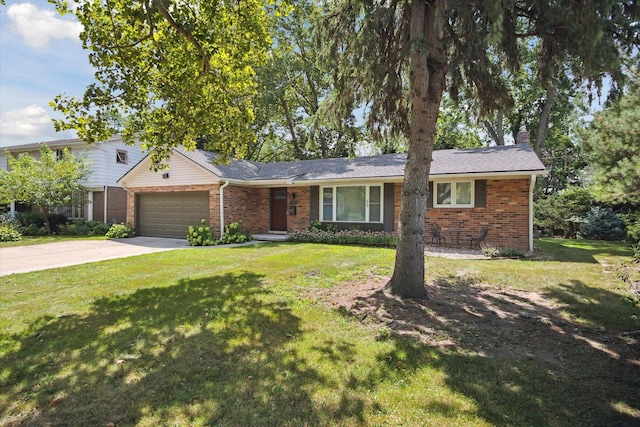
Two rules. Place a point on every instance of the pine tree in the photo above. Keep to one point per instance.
(397, 58)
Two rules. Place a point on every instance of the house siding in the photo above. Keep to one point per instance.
(248, 205)
(117, 205)
(213, 190)
(506, 213)
(182, 172)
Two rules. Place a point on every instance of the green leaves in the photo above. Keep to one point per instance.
(178, 71)
(47, 181)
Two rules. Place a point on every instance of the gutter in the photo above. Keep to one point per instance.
(222, 207)
(532, 184)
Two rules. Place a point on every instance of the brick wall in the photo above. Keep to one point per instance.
(506, 214)
(249, 205)
(116, 205)
(302, 219)
(506, 211)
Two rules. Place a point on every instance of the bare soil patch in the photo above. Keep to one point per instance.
(464, 316)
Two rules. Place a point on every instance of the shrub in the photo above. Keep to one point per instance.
(32, 224)
(233, 234)
(80, 227)
(9, 234)
(561, 213)
(344, 237)
(120, 231)
(632, 221)
(201, 235)
(56, 221)
(602, 223)
(492, 252)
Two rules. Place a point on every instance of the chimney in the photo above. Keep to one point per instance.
(523, 137)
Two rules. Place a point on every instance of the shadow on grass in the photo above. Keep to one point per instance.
(213, 349)
(515, 353)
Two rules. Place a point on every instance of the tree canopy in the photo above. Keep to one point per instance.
(46, 181)
(179, 71)
(612, 144)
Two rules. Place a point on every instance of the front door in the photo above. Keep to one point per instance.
(279, 209)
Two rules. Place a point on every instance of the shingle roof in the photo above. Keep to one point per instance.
(504, 159)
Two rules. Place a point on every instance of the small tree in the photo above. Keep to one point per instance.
(47, 181)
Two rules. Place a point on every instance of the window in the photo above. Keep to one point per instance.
(453, 194)
(59, 153)
(121, 157)
(355, 203)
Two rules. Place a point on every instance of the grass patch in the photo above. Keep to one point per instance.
(38, 240)
(235, 336)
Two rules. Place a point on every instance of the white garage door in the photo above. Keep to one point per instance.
(171, 214)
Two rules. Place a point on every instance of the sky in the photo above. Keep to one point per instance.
(41, 56)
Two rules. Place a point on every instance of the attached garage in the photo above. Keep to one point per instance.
(170, 214)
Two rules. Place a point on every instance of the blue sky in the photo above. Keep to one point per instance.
(41, 56)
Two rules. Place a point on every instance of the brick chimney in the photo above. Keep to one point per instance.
(523, 137)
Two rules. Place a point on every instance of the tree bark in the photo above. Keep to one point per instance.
(496, 133)
(427, 82)
(543, 126)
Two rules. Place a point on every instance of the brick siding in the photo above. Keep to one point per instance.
(506, 212)
(116, 205)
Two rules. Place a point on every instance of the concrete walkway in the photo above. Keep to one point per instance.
(22, 259)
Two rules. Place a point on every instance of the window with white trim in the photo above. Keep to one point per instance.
(351, 203)
(453, 194)
(122, 157)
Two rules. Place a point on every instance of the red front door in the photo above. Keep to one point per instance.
(279, 209)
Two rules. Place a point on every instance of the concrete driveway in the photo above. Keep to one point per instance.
(22, 259)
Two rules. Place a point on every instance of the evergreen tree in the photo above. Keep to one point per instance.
(397, 58)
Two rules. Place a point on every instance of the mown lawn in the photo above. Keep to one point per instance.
(235, 336)
(38, 240)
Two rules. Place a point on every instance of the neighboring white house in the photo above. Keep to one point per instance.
(105, 200)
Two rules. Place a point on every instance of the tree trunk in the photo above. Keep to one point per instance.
(45, 213)
(543, 126)
(497, 132)
(427, 80)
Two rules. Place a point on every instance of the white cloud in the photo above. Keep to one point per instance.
(30, 124)
(37, 26)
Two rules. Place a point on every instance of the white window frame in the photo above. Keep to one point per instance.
(334, 203)
(454, 203)
(122, 157)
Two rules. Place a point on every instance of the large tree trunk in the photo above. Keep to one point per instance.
(427, 79)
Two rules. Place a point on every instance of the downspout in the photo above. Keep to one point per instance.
(222, 207)
(532, 183)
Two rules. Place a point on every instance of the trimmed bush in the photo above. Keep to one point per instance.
(120, 231)
(344, 237)
(80, 227)
(492, 252)
(602, 223)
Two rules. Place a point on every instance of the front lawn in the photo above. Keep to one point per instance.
(301, 334)
(38, 240)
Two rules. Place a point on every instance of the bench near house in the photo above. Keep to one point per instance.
(469, 188)
(104, 200)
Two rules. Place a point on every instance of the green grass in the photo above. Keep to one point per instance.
(232, 336)
(38, 240)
